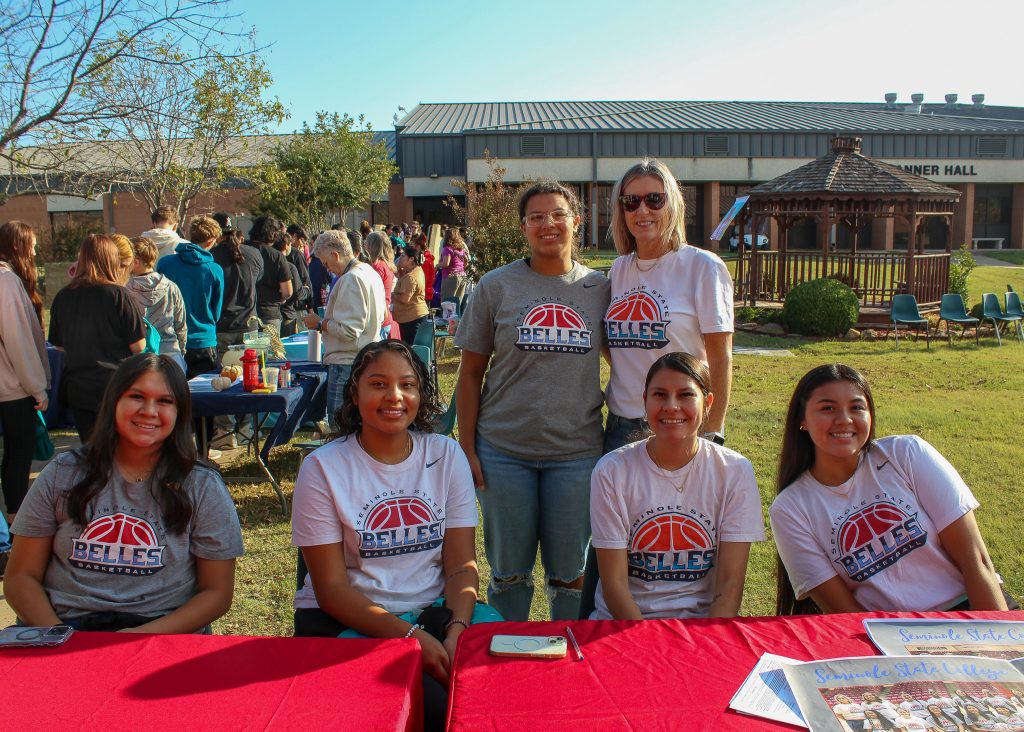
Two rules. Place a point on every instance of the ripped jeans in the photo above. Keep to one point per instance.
(531, 502)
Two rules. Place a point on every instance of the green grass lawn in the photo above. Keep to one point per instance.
(1012, 256)
(964, 399)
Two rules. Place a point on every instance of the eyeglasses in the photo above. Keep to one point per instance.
(654, 201)
(558, 216)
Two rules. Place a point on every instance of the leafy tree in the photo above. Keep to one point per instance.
(180, 129)
(53, 51)
(316, 175)
(491, 215)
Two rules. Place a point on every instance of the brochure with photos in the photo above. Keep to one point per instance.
(935, 637)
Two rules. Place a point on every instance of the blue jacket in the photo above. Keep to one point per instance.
(201, 281)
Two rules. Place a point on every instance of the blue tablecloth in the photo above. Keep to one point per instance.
(291, 405)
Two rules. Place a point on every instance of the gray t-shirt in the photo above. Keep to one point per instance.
(542, 394)
(125, 560)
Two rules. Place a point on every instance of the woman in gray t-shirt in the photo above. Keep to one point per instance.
(128, 532)
(532, 429)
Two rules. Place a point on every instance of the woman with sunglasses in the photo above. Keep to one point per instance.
(532, 430)
(666, 296)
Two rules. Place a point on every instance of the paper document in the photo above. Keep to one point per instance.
(766, 693)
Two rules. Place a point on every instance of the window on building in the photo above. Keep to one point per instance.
(992, 208)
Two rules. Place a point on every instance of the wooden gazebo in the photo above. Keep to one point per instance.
(850, 189)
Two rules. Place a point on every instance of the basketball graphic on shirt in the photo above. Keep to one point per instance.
(554, 328)
(875, 537)
(400, 525)
(671, 546)
(118, 544)
(636, 320)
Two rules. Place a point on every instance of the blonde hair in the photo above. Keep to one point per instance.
(126, 253)
(378, 248)
(675, 223)
(202, 229)
(145, 250)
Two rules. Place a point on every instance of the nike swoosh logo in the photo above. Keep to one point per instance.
(586, 286)
(879, 467)
(430, 465)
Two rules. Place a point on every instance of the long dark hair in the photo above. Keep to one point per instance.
(233, 241)
(797, 456)
(685, 364)
(348, 418)
(16, 249)
(177, 459)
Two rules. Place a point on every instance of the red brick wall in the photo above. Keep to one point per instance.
(30, 208)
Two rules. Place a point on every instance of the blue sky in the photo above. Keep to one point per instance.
(372, 57)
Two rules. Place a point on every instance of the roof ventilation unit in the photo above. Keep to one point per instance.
(979, 100)
(992, 147)
(916, 102)
(951, 101)
(716, 145)
(890, 100)
(532, 145)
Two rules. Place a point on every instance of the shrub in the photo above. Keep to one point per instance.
(960, 266)
(820, 307)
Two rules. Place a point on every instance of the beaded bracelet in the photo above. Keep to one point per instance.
(412, 629)
(455, 621)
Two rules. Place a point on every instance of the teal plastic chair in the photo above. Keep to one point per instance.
(445, 423)
(1014, 310)
(426, 354)
(990, 310)
(904, 312)
(953, 310)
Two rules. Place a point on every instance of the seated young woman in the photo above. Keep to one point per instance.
(385, 516)
(129, 532)
(673, 516)
(865, 524)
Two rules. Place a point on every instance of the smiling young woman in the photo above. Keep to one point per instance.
(129, 532)
(532, 430)
(866, 524)
(673, 515)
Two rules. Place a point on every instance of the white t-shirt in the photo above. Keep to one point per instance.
(848, 712)
(672, 537)
(884, 708)
(911, 724)
(390, 519)
(666, 308)
(879, 531)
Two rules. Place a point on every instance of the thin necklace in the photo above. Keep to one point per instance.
(679, 488)
(408, 448)
(636, 261)
(131, 475)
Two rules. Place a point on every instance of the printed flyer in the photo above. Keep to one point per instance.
(932, 637)
(912, 693)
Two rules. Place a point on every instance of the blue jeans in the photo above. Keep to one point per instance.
(337, 377)
(619, 431)
(529, 502)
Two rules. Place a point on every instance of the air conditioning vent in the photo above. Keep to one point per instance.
(993, 147)
(531, 145)
(716, 145)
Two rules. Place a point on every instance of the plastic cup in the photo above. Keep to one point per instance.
(270, 377)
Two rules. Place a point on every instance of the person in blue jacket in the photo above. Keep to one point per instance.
(201, 281)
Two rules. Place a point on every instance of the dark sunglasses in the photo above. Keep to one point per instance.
(654, 201)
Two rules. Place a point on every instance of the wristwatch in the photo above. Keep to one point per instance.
(716, 437)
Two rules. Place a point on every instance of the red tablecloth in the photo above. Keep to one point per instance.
(121, 681)
(643, 675)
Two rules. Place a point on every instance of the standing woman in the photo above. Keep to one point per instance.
(454, 258)
(243, 268)
(410, 308)
(24, 367)
(381, 256)
(673, 483)
(136, 475)
(864, 524)
(532, 435)
(666, 296)
(98, 325)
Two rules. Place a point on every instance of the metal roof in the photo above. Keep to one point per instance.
(461, 118)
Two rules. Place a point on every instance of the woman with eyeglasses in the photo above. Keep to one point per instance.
(532, 429)
(666, 296)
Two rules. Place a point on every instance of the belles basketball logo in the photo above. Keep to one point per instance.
(636, 320)
(554, 328)
(876, 537)
(118, 544)
(671, 546)
(400, 526)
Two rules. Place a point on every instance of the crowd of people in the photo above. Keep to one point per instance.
(385, 513)
(935, 710)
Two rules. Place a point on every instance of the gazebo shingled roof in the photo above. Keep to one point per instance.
(845, 187)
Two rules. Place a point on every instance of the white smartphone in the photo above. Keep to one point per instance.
(529, 646)
(24, 636)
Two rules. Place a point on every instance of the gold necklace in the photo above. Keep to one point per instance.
(679, 488)
(408, 448)
(132, 476)
(636, 261)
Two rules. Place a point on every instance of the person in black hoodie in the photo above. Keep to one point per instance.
(275, 286)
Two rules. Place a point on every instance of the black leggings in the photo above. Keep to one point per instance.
(18, 418)
(315, 623)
